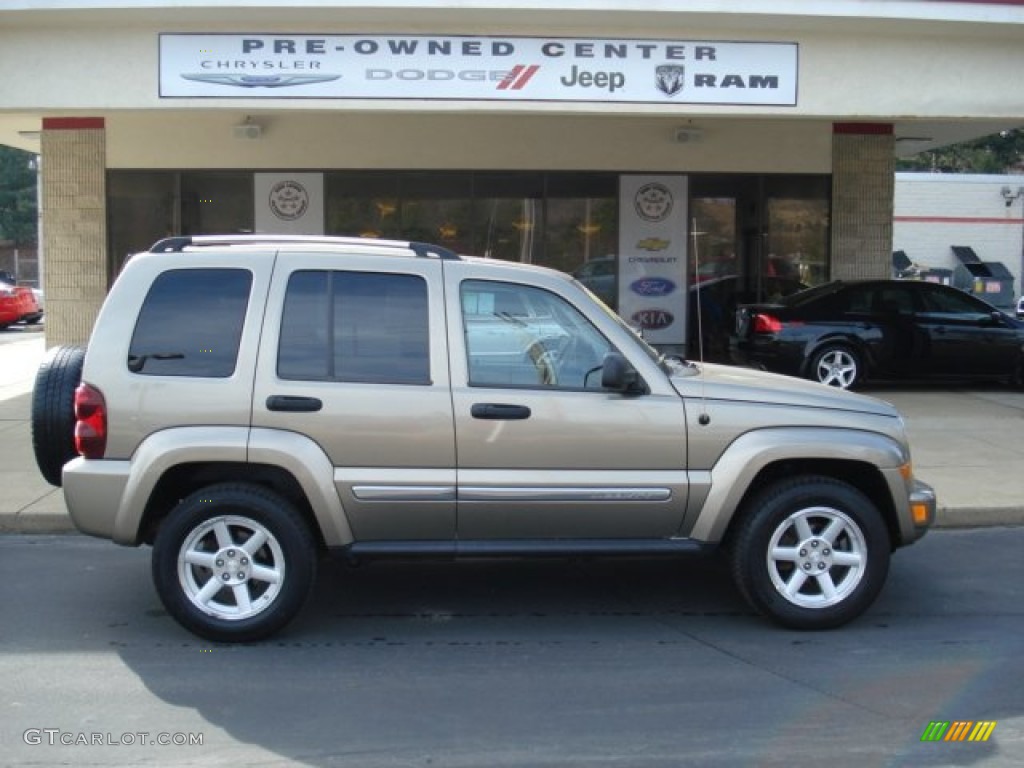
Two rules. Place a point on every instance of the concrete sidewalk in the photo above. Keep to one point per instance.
(968, 443)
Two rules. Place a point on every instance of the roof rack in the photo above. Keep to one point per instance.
(178, 244)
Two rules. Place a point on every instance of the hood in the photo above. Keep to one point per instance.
(726, 382)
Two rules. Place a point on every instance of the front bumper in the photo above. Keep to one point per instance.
(922, 509)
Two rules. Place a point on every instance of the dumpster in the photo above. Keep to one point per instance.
(937, 275)
(988, 280)
(902, 266)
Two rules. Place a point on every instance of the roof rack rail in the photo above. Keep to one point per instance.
(180, 243)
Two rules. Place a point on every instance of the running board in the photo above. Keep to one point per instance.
(523, 548)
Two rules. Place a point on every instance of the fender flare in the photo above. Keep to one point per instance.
(715, 496)
(295, 454)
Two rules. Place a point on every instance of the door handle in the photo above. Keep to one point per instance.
(294, 404)
(500, 411)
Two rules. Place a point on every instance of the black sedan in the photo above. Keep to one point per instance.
(841, 333)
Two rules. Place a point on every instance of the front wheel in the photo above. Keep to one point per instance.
(233, 563)
(810, 553)
(837, 366)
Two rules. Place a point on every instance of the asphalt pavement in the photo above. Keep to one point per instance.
(966, 441)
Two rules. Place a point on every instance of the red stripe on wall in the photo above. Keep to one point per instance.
(958, 220)
(863, 129)
(72, 123)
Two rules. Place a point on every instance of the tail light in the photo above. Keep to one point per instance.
(766, 324)
(91, 422)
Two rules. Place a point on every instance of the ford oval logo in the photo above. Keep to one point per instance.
(653, 319)
(653, 286)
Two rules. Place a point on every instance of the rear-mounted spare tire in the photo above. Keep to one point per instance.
(53, 410)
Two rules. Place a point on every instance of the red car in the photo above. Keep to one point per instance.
(17, 303)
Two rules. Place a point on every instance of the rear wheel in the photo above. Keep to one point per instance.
(234, 562)
(837, 366)
(810, 553)
(53, 410)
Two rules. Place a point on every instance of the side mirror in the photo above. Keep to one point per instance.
(618, 375)
(994, 319)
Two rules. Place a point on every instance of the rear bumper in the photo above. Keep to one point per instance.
(93, 492)
(767, 354)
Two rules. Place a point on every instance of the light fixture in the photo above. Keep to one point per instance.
(688, 134)
(1009, 195)
(248, 129)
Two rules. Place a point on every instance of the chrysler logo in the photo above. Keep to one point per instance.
(261, 81)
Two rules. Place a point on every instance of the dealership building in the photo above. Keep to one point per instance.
(683, 141)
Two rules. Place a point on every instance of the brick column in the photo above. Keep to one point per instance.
(74, 225)
(863, 167)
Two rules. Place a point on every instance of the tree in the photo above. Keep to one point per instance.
(1000, 153)
(18, 216)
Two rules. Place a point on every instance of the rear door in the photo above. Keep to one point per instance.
(544, 452)
(353, 356)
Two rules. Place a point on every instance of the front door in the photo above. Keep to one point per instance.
(543, 451)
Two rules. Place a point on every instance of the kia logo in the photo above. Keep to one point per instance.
(653, 319)
(653, 286)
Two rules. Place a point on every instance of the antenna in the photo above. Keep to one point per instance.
(704, 419)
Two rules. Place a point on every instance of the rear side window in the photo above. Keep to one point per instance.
(191, 323)
(355, 327)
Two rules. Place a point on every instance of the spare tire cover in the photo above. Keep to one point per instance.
(53, 410)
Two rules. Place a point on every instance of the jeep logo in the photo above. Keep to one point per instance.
(653, 319)
(652, 286)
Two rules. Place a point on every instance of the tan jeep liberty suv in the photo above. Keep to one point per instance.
(247, 403)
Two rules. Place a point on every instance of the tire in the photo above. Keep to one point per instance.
(249, 542)
(810, 553)
(1017, 377)
(837, 366)
(53, 410)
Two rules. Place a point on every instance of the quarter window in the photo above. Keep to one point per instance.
(356, 327)
(191, 323)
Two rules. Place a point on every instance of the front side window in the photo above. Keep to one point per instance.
(355, 327)
(954, 303)
(191, 323)
(519, 336)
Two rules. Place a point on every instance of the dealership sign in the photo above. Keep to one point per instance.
(445, 67)
(652, 255)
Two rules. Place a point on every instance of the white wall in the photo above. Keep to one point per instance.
(935, 211)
